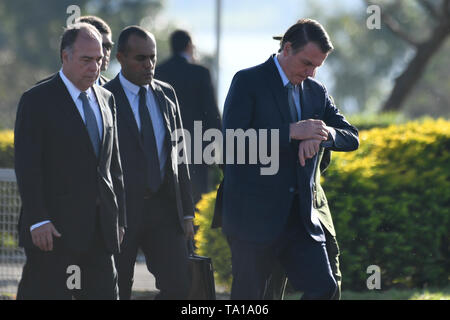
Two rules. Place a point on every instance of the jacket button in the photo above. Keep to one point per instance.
(291, 189)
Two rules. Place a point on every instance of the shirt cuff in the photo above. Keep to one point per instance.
(37, 225)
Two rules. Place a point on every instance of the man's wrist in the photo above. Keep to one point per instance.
(37, 225)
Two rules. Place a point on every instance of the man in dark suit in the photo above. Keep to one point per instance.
(157, 186)
(70, 178)
(195, 92)
(281, 217)
(107, 46)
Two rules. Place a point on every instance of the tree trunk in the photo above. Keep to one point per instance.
(415, 69)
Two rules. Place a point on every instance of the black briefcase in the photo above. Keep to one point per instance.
(202, 276)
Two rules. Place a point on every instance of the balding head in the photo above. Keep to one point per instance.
(81, 54)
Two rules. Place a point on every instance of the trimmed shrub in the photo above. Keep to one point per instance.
(390, 202)
(367, 121)
(6, 149)
(211, 242)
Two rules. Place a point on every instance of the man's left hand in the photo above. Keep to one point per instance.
(308, 149)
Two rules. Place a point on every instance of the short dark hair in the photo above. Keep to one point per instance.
(122, 43)
(71, 33)
(304, 31)
(179, 40)
(97, 22)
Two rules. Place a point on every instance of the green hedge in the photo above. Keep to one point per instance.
(6, 149)
(367, 121)
(390, 202)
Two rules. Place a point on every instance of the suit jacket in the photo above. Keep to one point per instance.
(195, 93)
(103, 79)
(256, 207)
(58, 174)
(133, 156)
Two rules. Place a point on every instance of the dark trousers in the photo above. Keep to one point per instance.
(47, 276)
(278, 280)
(304, 260)
(163, 243)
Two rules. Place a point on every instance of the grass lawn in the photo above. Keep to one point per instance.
(393, 294)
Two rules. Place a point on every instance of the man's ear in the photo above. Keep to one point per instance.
(65, 56)
(119, 56)
(287, 48)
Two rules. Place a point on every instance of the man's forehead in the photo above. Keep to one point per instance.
(312, 54)
(141, 45)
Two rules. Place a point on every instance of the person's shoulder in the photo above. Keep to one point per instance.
(314, 84)
(111, 85)
(43, 87)
(103, 91)
(253, 72)
(46, 79)
(163, 85)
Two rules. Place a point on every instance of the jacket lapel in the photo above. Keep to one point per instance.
(164, 108)
(104, 110)
(124, 109)
(307, 105)
(277, 88)
(72, 114)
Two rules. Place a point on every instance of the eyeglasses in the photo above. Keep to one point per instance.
(108, 46)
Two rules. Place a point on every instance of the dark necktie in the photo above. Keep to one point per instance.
(292, 107)
(149, 142)
(91, 123)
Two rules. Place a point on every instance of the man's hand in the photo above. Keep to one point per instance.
(43, 236)
(189, 229)
(308, 149)
(121, 234)
(308, 129)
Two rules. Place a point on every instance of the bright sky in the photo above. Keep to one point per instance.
(247, 30)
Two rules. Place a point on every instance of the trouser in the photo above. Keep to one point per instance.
(304, 259)
(62, 274)
(278, 280)
(159, 235)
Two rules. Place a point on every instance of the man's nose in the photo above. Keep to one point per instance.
(94, 65)
(310, 72)
(148, 63)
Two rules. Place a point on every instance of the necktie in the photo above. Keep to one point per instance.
(149, 142)
(291, 101)
(91, 123)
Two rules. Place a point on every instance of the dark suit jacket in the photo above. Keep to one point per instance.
(58, 174)
(133, 156)
(103, 79)
(255, 206)
(195, 93)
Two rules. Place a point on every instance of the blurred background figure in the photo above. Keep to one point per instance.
(195, 92)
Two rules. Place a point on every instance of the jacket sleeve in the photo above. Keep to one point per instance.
(28, 160)
(183, 170)
(344, 137)
(116, 169)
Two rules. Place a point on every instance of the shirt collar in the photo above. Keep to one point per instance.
(185, 56)
(283, 76)
(73, 90)
(131, 87)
